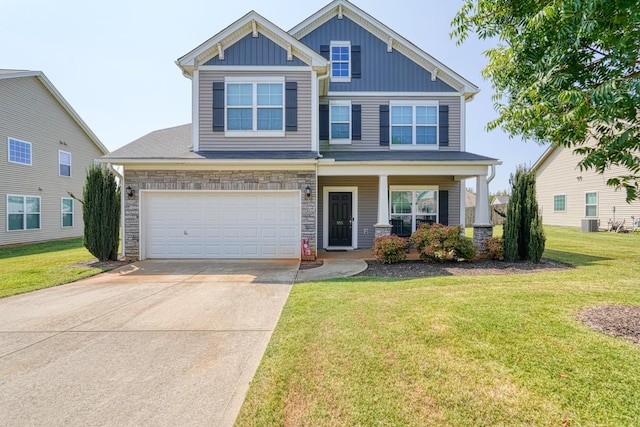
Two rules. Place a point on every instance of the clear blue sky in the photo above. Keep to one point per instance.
(114, 60)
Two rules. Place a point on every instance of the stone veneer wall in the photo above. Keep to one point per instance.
(231, 180)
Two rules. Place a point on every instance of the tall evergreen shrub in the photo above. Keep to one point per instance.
(523, 233)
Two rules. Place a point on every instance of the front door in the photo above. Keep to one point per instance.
(340, 219)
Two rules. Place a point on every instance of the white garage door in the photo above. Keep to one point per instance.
(222, 225)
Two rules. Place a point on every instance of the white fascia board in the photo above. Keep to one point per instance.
(421, 95)
(210, 164)
(544, 157)
(252, 68)
(402, 169)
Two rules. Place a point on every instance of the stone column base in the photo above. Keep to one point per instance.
(382, 230)
(480, 234)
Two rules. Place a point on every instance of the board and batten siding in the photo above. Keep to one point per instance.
(371, 122)
(368, 200)
(559, 174)
(299, 140)
(30, 113)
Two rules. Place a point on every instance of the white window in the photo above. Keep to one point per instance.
(254, 108)
(412, 206)
(560, 203)
(414, 124)
(340, 61)
(19, 151)
(340, 122)
(64, 163)
(23, 212)
(591, 204)
(67, 212)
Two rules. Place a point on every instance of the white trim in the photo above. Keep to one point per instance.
(414, 213)
(340, 103)
(195, 111)
(24, 213)
(325, 214)
(460, 170)
(61, 164)
(340, 43)
(213, 164)
(73, 212)
(463, 124)
(315, 101)
(254, 81)
(255, 68)
(414, 125)
(565, 202)
(403, 95)
(584, 199)
(9, 139)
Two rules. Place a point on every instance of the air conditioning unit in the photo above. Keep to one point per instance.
(589, 225)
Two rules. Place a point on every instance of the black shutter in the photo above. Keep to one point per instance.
(444, 125)
(324, 122)
(325, 51)
(291, 101)
(218, 106)
(384, 125)
(356, 67)
(443, 207)
(356, 122)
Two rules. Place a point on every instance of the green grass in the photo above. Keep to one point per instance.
(25, 268)
(458, 350)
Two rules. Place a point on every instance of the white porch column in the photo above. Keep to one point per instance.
(482, 201)
(382, 227)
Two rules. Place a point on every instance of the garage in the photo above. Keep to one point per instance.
(200, 224)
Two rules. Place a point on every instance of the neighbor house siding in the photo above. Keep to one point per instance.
(299, 140)
(559, 174)
(30, 113)
(381, 70)
(255, 51)
(371, 122)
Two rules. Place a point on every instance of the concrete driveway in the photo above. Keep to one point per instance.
(159, 343)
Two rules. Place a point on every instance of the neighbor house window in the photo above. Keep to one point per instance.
(340, 118)
(19, 152)
(591, 204)
(253, 107)
(414, 125)
(64, 162)
(411, 207)
(23, 212)
(559, 202)
(340, 61)
(67, 212)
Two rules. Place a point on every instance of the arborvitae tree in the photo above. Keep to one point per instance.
(523, 233)
(101, 212)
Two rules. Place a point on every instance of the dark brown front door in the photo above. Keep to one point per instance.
(340, 219)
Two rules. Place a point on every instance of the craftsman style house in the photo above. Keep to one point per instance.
(45, 148)
(322, 137)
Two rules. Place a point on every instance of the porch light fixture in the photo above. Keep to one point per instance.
(129, 191)
(307, 192)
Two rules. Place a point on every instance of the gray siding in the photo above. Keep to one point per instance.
(371, 122)
(30, 113)
(559, 175)
(255, 51)
(381, 70)
(368, 200)
(299, 140)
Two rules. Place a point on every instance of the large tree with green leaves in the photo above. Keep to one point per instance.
(565, 72)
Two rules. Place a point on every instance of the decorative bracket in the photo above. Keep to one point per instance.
(254, 28)
(340, 11)
(434, 74)
(390, 45)
(289, 53)
(220, 52)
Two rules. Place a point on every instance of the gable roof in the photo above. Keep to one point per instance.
(254, 23)
(13, 74)
(387, 35)
(543, 158)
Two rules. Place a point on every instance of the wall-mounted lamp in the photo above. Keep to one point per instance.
(129, 191)
(307, 192)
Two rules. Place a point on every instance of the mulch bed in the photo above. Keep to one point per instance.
(616, 320)
(306, 265)
(102, 265)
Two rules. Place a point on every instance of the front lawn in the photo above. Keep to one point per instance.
(458, 350)
(26, 268)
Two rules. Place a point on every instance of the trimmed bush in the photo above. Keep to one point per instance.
(437, 242)
(390, 249)
(494, 247)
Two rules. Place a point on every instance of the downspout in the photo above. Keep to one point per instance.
(492, 175)
(121, 179)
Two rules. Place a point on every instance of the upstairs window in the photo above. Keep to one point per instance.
(340, 117)
(414, 125)
(340, 61)
(19, 152)
(64, 163)
(23, 212)
(255, 108)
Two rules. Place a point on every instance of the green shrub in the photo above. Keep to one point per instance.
(494, 247)
(536, 239)
(390, 249)
(437, 242)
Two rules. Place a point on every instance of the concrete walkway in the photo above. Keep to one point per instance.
(336, 265)
(162, 343)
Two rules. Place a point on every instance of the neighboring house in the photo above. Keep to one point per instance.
(567, 196)
(500, 200)
(322, 137)
(45, 148)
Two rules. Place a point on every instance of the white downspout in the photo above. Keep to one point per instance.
(121, 178)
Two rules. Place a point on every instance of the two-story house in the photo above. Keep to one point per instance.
(322, 137)
(45, 148)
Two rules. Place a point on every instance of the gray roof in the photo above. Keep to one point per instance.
(410, 156)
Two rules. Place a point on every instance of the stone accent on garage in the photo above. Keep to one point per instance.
(227, 180)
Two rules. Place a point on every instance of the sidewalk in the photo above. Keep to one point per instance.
(335, 265)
